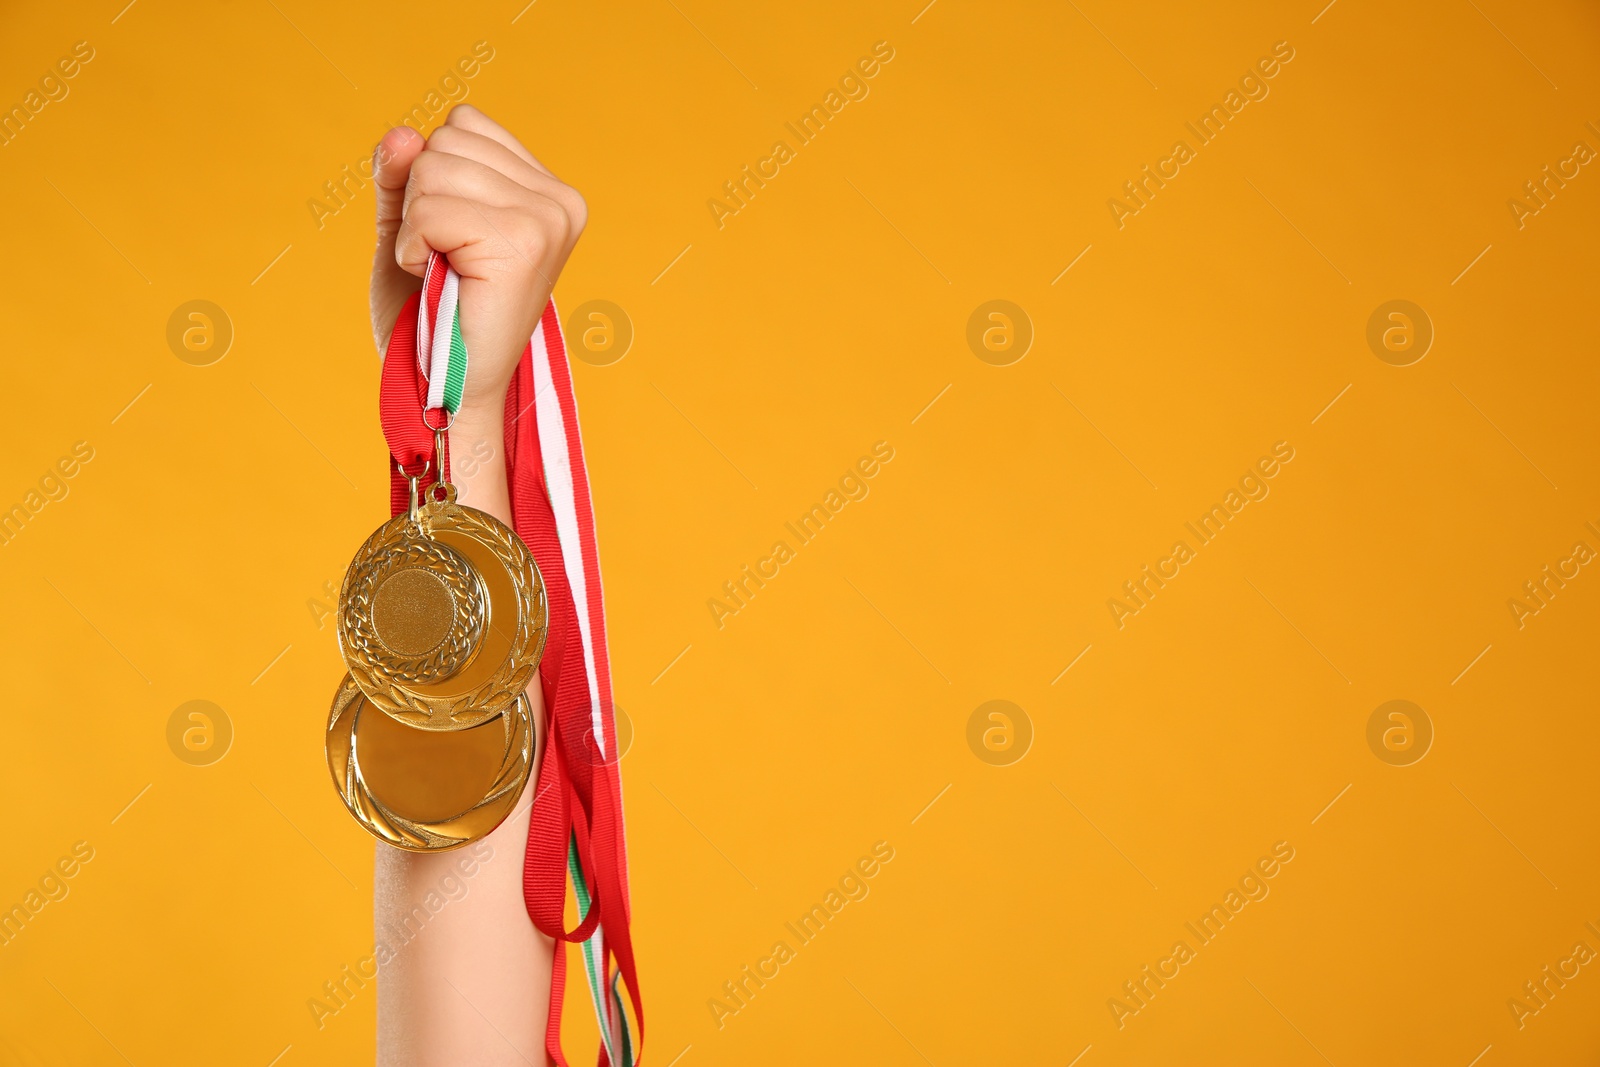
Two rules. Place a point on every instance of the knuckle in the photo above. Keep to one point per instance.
(417, 207)
(425, 171)
(528, 236)
(423, 212)
(543, 226)
(558, 225)
(443, 137)
(577, 209)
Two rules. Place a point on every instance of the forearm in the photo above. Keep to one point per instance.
(468, 976)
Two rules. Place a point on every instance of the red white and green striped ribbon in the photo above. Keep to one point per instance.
(441, 353)
(617, 1031)
(566, 487)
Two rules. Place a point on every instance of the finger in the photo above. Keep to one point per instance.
(440, 173)
(392, 160)
(482, 240)
(467, 117)
(456, 141)
(507, 258)
(460, 141)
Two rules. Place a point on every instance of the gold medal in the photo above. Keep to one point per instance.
(442, 615)
(427, 791)
(441, 623)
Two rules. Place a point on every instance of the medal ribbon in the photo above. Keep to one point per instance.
(441, 355)
(429, 398)
(576, 827)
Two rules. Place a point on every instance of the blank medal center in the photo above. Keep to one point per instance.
(413, 611)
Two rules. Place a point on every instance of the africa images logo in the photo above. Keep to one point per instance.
(1252, 486)
(1252, 87)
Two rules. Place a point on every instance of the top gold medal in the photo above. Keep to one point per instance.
(442, 615)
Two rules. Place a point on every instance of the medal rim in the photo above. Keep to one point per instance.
(414, 704)
(415, 835)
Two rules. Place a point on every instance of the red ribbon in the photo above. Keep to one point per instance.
(579, 796)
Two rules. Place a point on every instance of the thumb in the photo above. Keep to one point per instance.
(391, 283)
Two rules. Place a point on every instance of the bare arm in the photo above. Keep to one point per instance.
(470, 981)
(467, 978)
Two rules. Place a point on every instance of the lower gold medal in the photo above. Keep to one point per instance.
(427, 790)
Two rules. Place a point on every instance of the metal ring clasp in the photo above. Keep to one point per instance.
(412, 480)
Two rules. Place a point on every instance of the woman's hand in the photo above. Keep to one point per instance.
(473, 193)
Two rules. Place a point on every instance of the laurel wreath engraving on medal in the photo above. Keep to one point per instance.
(460, 593)
(415, 836)
(434, 698)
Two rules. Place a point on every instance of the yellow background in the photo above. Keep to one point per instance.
(827, 714)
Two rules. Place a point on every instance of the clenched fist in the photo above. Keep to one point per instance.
(474, 194)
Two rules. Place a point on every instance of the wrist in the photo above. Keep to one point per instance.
(477, 443)
(481, 411)
(478, 462)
